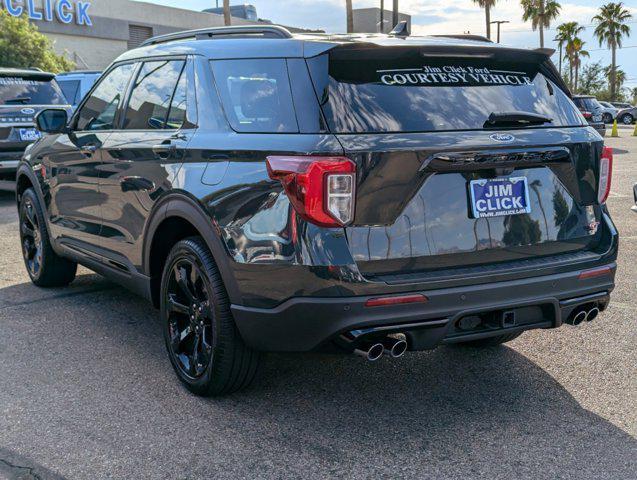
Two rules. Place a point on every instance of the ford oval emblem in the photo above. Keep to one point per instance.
(27, 111)
(502, 137)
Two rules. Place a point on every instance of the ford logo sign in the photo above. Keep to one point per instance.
(502, 137)
(27, 111)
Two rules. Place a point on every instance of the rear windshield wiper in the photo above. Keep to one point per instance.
(19, 100)
(515, 119)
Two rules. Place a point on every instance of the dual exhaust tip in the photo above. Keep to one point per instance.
(392, 347)
(583, 314)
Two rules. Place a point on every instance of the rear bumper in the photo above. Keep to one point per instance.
(307, 324)
(600, 127)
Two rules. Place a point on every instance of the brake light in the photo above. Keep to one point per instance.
(605, 174)
(587, 115)
(321, 189)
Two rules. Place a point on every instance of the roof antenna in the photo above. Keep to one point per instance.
(401, 30)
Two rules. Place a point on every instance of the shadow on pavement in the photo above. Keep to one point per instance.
(453, 412)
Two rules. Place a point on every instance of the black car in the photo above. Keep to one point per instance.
(23, 93)
(290, 193)
(592, 110)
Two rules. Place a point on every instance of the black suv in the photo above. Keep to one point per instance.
(23, 93)
(368, 194)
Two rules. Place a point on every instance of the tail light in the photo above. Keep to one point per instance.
(605, 174)
(587, 115)
(321, 189)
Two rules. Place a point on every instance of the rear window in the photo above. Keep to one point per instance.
(256, 95)
(26, 91)
(71, 89)
(588, 103)
(400, 90)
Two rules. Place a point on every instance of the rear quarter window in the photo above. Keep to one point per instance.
(401, 90)
(256, 95)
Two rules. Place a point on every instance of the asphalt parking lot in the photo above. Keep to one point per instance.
(87, 392)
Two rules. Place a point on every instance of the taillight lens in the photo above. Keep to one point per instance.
(587, 115)
(321, 189)
(605, 174)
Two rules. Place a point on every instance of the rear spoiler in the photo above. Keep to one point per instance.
(540, 56)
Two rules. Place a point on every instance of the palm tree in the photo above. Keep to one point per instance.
(576, 50)
(487, 5)
(540, 13)
(565, 33)
(227, 19)
(611, 28)
(350, 16)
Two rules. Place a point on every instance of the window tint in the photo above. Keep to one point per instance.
(98, 112)
(400, 90)
(256, 95)
(177, 114)
(30, 91)
(71, 89)
(152, 95)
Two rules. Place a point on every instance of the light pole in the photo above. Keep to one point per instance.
(498, 23)
(395, 14)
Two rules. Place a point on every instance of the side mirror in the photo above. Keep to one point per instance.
(52, 120)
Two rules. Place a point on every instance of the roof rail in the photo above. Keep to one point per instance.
(248, 31)
(466, 36)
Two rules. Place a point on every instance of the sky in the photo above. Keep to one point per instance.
(448, 16)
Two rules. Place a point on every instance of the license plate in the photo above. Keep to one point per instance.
(499, 196)
(29, 134)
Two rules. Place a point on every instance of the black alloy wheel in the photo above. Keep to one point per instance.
(202, 339)
(32, 248)
(189, 318)
(45, 267)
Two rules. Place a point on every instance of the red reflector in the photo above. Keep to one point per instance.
(382, 301)
(598, 272)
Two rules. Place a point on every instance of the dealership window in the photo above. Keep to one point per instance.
(138, 34)
(256, 95)
(152, 95)
(98, 112)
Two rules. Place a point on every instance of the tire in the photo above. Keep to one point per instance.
(627, 119)
(492, 341)
(44, 266)
(203, 342)
(607, 118)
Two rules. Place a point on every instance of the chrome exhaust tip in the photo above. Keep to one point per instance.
(580, 317)
(592, 314)
(395, 347)
(373, 353)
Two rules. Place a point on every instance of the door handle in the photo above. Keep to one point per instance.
(165, 149)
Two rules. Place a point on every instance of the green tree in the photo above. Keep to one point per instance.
(487, 5)
(23, 46)
(593, 79)
(566, 33)
(540, 13)
(612, 27)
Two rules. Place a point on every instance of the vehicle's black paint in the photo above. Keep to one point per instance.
(113, 199)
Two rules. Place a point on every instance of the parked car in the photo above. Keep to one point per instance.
(23, 93)
(609, 114)
(77, 84)
(627, 116)
(292, 193)
(592, 111)
(621, 105)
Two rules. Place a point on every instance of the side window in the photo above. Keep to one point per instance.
(152, 95)
(256, 95)
(98, 113)
(178, 107)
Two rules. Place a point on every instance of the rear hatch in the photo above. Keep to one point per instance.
(465, 156)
